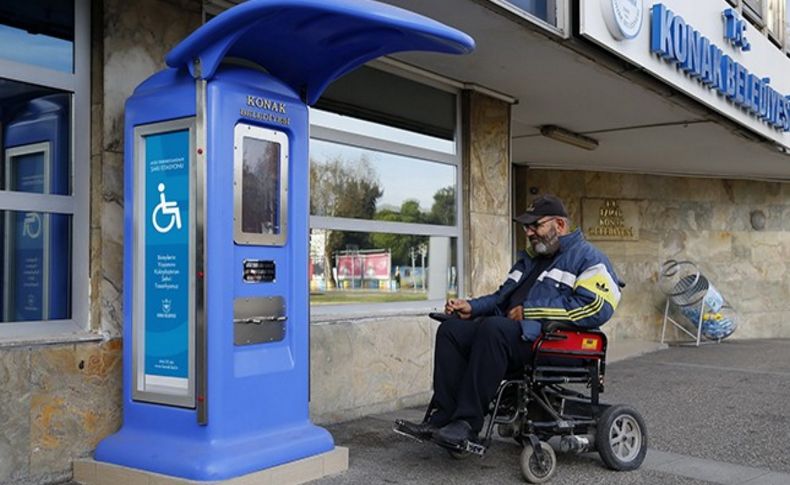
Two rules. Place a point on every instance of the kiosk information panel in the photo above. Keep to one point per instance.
(164, 283)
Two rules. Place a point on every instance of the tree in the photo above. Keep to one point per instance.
(443, 209)
(399, 244)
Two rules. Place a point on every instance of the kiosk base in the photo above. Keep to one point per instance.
(91, 472)
(203, 459)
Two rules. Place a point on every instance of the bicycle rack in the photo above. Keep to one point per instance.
(693, 305)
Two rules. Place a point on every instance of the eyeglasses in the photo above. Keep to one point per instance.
(536, 225)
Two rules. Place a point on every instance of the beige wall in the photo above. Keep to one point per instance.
(703, 220)
(369, 365)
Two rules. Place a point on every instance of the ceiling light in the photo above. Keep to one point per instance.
(569, 137)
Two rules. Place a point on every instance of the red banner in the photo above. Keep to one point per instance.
(371, 266)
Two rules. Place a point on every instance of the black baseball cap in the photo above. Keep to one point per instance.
(545, 205)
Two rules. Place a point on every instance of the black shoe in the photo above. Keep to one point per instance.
(422, 431)
(456, 434)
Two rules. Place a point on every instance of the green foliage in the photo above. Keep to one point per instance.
(399, 244)
(443, 209)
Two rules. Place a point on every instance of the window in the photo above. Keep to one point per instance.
(44, 97)
(753, 10)
(787, 26)
(775, 20)
(38, 32)
(550, 14)
(375, 267)
(384, 200)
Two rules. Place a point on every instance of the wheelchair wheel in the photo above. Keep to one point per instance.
(621, 438)
(538, 471)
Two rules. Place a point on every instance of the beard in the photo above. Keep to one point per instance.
(546, 245)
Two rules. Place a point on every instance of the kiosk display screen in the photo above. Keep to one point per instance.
(164, 261)
(261, 178)
(260, 181)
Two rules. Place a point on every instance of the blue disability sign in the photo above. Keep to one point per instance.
(167, 255)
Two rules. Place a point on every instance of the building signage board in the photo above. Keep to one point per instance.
(704, 49)
(164, 342)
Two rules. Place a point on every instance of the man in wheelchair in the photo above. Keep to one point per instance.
(563, 280)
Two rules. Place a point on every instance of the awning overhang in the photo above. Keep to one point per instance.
(309, 43)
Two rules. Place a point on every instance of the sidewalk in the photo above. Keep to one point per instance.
(715, 414)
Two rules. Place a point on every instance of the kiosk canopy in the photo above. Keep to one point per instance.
(309, 43)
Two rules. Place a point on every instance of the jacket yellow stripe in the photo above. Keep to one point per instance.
(585, 309)
(590, 312)
(562, 314)
(562, 311)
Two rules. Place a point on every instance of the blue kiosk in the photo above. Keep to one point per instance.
(216, 312)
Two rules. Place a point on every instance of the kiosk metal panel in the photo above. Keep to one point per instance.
(163, 306)
(258, 320)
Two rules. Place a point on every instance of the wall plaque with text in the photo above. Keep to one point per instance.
(610, 219)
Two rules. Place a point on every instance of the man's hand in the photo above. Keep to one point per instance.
(462, 308)
(516, 313)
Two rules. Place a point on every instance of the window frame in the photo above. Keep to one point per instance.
(756, 18)
(777, 37)
(77, 205)
(333, 135)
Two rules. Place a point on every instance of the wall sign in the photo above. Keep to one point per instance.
(706, 50)
(623, 17)
(163, 261)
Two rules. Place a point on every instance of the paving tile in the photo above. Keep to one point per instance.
(770, 478)
(713, 471)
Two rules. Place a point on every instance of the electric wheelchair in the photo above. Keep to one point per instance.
(557, 396)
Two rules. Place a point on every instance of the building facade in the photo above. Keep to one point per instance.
(673, 114)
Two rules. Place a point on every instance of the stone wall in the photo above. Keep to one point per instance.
(372, 365)
(58, 403)
(486, 189)
(703, 220)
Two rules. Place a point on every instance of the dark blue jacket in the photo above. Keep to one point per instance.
(578, 287)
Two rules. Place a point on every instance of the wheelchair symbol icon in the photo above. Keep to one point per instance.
(165, 208)
(31, 227)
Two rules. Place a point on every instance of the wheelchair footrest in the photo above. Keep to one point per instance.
(468, 446)
(402, 430)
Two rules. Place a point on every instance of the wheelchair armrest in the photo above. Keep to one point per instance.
(441, 316)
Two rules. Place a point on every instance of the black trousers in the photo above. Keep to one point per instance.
(471, 359)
